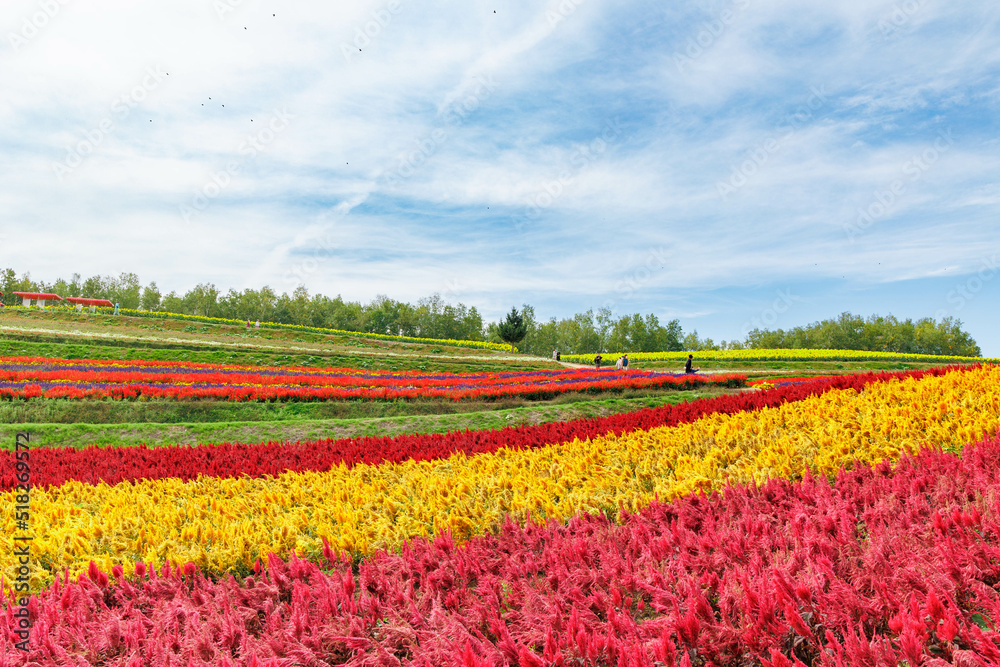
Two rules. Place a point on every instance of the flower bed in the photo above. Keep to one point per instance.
(22, 377)
(110, 465)
(887, 566)
(225, 523)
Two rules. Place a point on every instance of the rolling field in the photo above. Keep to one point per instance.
(201, 494)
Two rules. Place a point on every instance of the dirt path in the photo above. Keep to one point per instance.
(655, 370)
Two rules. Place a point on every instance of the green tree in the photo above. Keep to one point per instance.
(124, 290)
(300, 306)
(673, 336)
(93, 288)
(10, 283)
(382, 316)
(172, 303)
(604, 324)
(150, 298)
(876, 333)
(472, 325)
(543, 338)
(513, 329)
(346, 315)
(67, 288)
(693, 343)
(202, 300)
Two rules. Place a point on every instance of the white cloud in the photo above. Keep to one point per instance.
(410, 157)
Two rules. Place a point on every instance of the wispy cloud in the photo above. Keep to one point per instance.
(748, 137)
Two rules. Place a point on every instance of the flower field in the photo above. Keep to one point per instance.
(94, 465)
(884, 568)
(840, 521)
(30, 377)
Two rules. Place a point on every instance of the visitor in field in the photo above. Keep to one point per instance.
(688, 363)
(618, 364)
(625, 362)
(256, 324)
(597, 362)
(248, 325)
(558, 356)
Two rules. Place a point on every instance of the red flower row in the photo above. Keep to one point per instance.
(884, 566)
(59, 378)
(53, 466)
(245, 377)
(500, 390)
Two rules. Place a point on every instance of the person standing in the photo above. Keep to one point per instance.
(597, 362)
(618, 364)
(625, 362)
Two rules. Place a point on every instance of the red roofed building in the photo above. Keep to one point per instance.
(40, 297)
(93, 303)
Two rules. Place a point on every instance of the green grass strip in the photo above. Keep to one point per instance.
(160, 434)
(15, 345)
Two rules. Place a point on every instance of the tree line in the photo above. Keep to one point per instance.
(853, 332)
(590, 332)
(431, 317)
(602, 331)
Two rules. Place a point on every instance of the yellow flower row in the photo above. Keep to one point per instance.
(221, 524)
(782, 355)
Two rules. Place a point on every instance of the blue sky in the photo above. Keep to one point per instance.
(730, 164)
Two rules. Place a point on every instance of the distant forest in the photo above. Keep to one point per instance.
(432, 317)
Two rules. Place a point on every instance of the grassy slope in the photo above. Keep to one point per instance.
(70, 335)
(157, 434)
(69, 411)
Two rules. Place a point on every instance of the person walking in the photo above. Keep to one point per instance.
(625, 362)
(618, 364)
